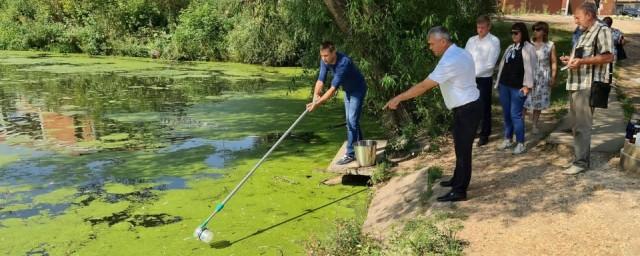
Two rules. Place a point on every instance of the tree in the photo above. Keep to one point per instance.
(393, 57)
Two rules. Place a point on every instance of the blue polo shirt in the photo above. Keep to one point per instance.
(345, 74)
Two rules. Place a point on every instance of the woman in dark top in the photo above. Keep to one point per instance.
(515, 79)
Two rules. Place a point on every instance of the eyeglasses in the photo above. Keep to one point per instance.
(513, 33)
(537, 29)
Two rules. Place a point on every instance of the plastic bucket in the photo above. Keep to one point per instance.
(365, 152)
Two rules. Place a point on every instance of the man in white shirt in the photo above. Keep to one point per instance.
(455, 75)
(485, 49)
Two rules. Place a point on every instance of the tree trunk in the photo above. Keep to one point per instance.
(338, 10)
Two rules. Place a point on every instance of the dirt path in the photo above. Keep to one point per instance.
(524, 205)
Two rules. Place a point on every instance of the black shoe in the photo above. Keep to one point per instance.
(483, 141)
(446, 183)
(453, 197)
(345, 160)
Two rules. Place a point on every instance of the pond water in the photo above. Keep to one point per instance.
(125, 156)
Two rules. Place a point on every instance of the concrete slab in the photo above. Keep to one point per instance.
(353, 168)
(608, 129)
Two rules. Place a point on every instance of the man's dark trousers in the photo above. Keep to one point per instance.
(485, 87)
(465, 124)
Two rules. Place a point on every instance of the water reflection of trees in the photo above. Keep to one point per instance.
(68, 109)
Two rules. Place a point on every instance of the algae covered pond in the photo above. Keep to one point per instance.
(123, 156)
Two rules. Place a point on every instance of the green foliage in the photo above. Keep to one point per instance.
(346, 240)
(424, 237)
(123, 27)
(432, 236)
(382, 172)
(434, 173)
(405, 141)
(395, 54)
(627, 104)
(387, 39)
(261, 36)
(200, 33)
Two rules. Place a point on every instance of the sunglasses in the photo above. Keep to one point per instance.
(515, 33)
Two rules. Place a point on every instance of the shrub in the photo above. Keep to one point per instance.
(200, 33)
(424, 237)
(93, 38)
(382, 172)
(346, 239)
(421, 236)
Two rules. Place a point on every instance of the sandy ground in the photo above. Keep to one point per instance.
(524, 205)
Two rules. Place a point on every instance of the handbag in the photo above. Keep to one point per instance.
(599, 94)
(599, 90)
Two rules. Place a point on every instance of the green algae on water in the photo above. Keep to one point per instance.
(139, 151)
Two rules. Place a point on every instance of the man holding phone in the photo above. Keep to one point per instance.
(588, 63)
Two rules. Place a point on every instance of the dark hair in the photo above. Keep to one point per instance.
(483, 19)
(545, 27)
(524, 32)
(608, 20)
(328, 45)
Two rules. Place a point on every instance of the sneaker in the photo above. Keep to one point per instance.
(505, 144)
(519, 149)
(573, 170)
(345, 160)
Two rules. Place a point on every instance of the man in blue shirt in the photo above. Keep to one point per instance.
(345, 74)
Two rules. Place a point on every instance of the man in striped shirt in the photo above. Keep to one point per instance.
(589, 62)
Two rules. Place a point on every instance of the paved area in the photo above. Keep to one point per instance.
(608, 129)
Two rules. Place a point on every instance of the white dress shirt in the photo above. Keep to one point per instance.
(485, 53)
(455, 73)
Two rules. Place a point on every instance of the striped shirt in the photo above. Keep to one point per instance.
(581, 78)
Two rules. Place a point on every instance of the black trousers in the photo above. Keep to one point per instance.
(465, 123)
(485, 85)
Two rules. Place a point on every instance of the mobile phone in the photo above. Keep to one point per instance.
(578, 52)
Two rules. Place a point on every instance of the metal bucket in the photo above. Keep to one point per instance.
(365, 152)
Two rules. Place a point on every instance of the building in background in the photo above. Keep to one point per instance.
(620, 4)
(606, 7)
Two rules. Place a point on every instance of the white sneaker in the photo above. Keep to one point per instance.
(573, 170)
(520, 148)
(505, 144)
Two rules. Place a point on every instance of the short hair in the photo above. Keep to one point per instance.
(545, 27)
(439, 32)
(589, 8)
(328, 45)
(608, 20)
(483, 19)
(524, 32)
